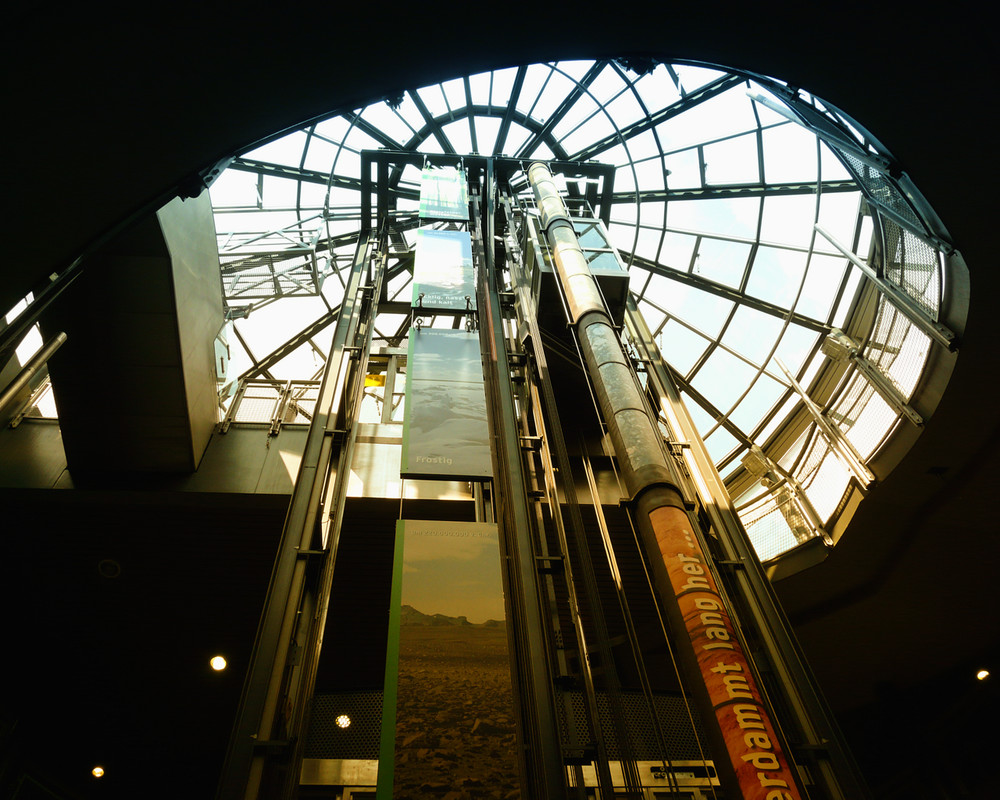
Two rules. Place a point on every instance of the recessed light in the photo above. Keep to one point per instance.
(983, 674)
(97, 772)
(218, 663)
(343, 721)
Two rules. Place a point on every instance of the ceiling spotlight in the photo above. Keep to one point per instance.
(97, 772)
(218, 663)
(983, 674)
(343, 721)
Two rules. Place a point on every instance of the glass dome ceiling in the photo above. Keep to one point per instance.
(721, 180)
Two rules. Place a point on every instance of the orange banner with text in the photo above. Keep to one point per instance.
(762, 769)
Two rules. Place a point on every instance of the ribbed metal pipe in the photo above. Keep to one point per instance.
(723, 683)
(635, 438)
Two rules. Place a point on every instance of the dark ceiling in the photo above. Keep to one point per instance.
(106, 116)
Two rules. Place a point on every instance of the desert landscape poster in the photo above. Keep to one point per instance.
(454, 720)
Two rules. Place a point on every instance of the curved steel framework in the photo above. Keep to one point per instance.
(757, 223)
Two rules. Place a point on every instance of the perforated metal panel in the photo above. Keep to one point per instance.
(359, 739)
(679, 736)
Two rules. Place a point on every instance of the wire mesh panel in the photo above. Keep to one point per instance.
(880, 188)
(913, 265)
(775, 524)
(863, 416)
(259, 402)
(672, 715)
(823, 477)
(898, 348)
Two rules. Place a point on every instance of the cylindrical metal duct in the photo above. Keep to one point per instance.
(36, 363)
(723, 683)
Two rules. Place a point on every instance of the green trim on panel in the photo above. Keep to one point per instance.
(387, 742)
(403, 459)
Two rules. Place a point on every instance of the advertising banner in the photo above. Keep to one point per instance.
(445, 435)
(444, 194)
(448, 710)
(442, 271)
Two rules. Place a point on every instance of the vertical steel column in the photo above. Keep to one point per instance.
(818, 732)
(251, 744)
(723, 682)
(542, 759)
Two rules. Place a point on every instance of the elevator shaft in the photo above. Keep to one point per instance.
(723, 682)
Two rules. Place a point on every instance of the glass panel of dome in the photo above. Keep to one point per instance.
(652, 214)
(286, 150)
(848, 297)
(313, 195)
(542, 152)
(753, 333)
(732, 217)
(479, 87)
(625, 179)
(234, 188)
(517, 135)
(607, 86)
(319, 154)
(637, 279)
(649, 175)
(766, 115)
(722, 261)
(705, 312)
(487, 129)
(410, 113)
(831, 167)
(723, 378)
(433, 99)
(333, 129)
(576, 115)
(647, 244)
(388, 122)
(692, 77)
(677, 250)
(454, 94)
(788, 220)
(654, 317)
(623, 237)
(596, 127)
(343, 161)
(794, 348)
(279, 192)
(459, 136)
(699, 416)
(575, 69)
(838, 213)
(656, 90)
(641, 146)
(779, 418)
(681, 346)
(534, 80)
(820, 289)
(724, 115)
(758, 402)
(503, 85)
(776, 275)
(683, 170)
(732, 161)
(720, 443)
(789, 154)
(552, 95)
(625, 109)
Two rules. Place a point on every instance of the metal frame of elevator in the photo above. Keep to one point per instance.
(549, 578)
